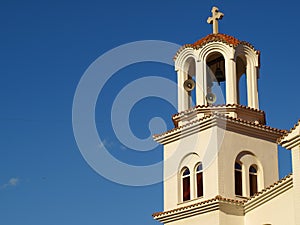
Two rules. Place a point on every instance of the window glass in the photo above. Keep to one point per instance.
(199, 179)
(186, 189)
(253, 180)
(238, 179)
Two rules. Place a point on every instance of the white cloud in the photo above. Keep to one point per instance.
(11, 183)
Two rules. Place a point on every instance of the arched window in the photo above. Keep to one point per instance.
(253, 179)
(238, 179)
(186, 185)
(199, 180)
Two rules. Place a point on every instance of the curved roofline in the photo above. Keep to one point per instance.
(225, 38)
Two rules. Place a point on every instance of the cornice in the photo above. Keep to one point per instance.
(269, 193)
(196, 209)
(222, 121)
(217, 203)
(291, 138)
(224, 38)
(243, 112)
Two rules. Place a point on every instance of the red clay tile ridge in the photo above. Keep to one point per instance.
(251, 123)
(269, 193)
(195, 108)
(225, 38)
(286, 180)
(288, 132)
(218, 198)
(226, 117)
(183, 126)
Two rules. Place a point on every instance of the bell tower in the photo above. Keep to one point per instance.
(220, 150)
(215, 61)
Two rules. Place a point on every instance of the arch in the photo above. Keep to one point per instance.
(250, 54)
(183, 57)
(241, 79)
(251, 62)
(187, 162)
(215, 76)
(249, 162)
(185, 65)
(199, 180)
(227, 51)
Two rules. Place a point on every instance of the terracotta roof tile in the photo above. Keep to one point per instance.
(225, 38)
(270, 187)
(288, 132)
(217, 37)
(186, 125)
(223, 199)
(221, 116)
(252, 123)
(215, 106)
(217, 198)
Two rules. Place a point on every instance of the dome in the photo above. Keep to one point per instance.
(225, 38)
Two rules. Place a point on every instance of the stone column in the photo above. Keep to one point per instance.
(183, 97)
(231, 81)
(249, 85)
(200, 83)
(252, 89)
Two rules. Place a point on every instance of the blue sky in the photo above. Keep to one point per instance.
(46, 46)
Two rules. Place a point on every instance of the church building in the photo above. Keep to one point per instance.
(221, 159)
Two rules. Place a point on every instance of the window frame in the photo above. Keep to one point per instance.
(185, 180)
(199, 180)
(238, 179)
(253, 180)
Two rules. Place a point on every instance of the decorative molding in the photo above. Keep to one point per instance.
(240, 207)
(224, 38)
(291, 139)
(222, 121)
(242, 112)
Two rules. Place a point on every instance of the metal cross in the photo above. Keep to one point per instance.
(216, 15)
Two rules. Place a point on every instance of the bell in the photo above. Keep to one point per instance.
(219, 75)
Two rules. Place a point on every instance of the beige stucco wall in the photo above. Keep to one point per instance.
(218, 163)
(264, 155)
(211, 218)
(278, 211)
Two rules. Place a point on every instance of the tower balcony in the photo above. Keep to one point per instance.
(233, 110)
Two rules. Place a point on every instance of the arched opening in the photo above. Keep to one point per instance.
(186, 185)
(241, 80)
(215, 79)
(191, 74)
(253, 179)
(238, 179)
(199, 180)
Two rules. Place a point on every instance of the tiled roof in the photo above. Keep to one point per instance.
(288, 132)
(290, 176)
(223, 199)
(216, 106)
(252, 123)
(230, 40)
(217, 198)
(183, 126)
(225, 117)
(225, 38)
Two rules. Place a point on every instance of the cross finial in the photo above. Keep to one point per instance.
(216, 15)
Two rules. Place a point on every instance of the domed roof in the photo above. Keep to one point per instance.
(230, 40)
(227, 39)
